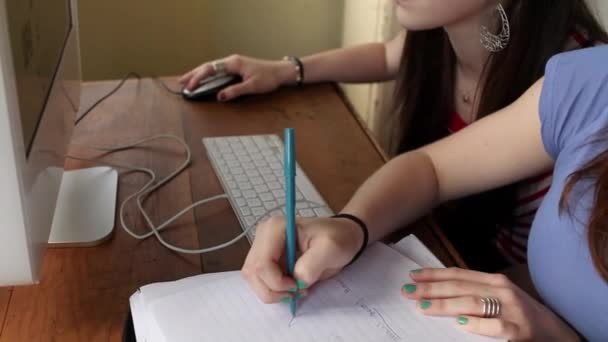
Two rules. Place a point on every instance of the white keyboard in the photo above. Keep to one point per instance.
(250, 169)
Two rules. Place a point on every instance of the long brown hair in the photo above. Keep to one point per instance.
(597, 228)
(424, 93)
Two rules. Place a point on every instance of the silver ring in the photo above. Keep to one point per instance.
(491, 307)
(219, 67)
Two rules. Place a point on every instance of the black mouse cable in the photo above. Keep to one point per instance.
(129, 75)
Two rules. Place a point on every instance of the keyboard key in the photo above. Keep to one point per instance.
(266, 197)
(276, 166)
(274, 185)
(252, 173)
(232, 163)
(302, 205)
(236, 193)
(231, 185)
(240, 202)
(249, 194)
(278, 193)
(250, 221)
(254, 202)
(245, 186)
(258, 211)
(260, 163)
(307, 213)
(229, 156)
(245, 211)
(240, 153)
(265, 170)
(241, 178)
(248, 166)
(270, 205)
(244, 159)
(299, 196)
(267, 153)
(236, 171)
(271, 159)
(256, 180)
(269, 178)
(260, 141)
(261, 188)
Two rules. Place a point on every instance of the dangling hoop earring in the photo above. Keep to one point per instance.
(497, 42)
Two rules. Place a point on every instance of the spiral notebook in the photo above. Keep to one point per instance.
(361, 303)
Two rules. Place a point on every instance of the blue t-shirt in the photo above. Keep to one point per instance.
(574, 117)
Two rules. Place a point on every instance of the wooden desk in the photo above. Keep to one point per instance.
(83, 295)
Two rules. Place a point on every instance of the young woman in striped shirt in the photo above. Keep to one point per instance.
(470, 57)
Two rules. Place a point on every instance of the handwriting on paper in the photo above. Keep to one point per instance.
(381, 323)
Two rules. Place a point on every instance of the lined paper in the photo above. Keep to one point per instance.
(362, 303)
(411, 247)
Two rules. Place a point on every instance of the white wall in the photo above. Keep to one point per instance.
(601, 9)
(364, 22)
(159, 37)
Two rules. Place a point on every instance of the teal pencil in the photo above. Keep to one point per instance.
(290, 205)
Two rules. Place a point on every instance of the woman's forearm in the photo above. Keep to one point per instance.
(400, 192)
(363, 63)
(372, 62)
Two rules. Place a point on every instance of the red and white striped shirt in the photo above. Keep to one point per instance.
(512, 239)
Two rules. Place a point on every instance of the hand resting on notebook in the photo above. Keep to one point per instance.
(327, 245)
(455, 292)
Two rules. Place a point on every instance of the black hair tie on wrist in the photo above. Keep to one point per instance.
(299, 68)
(363, 227)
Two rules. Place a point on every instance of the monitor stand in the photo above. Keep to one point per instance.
(86, 207)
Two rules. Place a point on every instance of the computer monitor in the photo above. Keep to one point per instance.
(39, 98)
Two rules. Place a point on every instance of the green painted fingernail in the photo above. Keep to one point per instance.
(410, 288)
(416, 271)
(463, 320)
(288, 299)
(301, 284)
(425, 304)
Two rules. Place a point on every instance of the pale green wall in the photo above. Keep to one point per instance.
(169, 37)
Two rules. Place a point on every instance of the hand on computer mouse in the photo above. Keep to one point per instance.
(259, 76)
